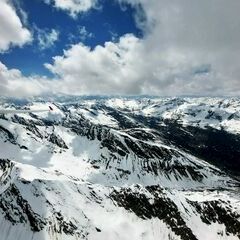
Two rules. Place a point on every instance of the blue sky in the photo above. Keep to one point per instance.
(103, 24)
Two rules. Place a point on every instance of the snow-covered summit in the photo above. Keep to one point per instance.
(120, 168)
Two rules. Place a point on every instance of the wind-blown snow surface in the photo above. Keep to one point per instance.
(120, 168)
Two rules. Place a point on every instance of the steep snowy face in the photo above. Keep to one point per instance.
(121, 168)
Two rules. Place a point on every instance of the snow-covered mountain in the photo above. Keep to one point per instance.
(120, 168)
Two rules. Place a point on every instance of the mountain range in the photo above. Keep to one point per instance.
(120, 168)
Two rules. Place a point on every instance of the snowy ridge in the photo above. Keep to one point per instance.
(120, 168)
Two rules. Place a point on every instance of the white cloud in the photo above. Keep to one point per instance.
(202, 32)
(13, 83)
(12, 31)
(81, 35)
(73, 7)
(180, 39)
(189, 47)
(84, 34)
(108, 69)
(46, 38)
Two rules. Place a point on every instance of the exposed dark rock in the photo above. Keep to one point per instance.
(8, 135)
(158, 207)
(219, 212)
(17, 210)
(57, 140)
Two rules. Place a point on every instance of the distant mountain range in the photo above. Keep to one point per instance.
(120, 168)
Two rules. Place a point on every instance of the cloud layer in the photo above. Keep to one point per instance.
(13, 83)
(189, 48)
(12, 31)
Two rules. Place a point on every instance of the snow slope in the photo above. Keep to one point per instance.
(120, 168)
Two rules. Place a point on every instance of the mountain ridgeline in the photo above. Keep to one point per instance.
(120, 168)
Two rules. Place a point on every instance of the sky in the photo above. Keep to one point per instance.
(120, 47)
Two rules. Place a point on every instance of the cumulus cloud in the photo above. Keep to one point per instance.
(181, 39)
(73, 7)
(203, 33)
(13, 83)
(46, 38)
(188, 48)
(12, 31)
(105, 69)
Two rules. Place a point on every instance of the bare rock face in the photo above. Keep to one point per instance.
(121, 168)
